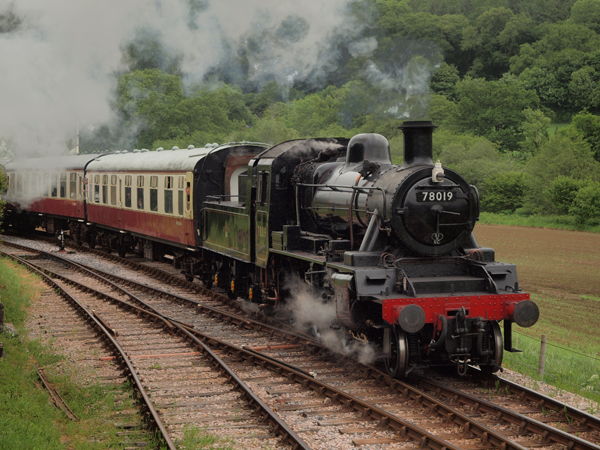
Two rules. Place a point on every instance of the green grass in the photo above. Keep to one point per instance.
(28, 419)
(556, 222)
(198, 438)
(564, 369)
(572, 351)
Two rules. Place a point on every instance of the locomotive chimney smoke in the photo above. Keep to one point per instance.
(418, 142)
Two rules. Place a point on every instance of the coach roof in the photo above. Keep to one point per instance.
(50, 163)
(157, 161)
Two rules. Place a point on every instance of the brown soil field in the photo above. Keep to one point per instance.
(561, 270)
(556, 260)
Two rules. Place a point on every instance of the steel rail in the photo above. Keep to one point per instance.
(549, 435)
(88, 316)
(289, 436)
(220, 314)
(279, 426)
(386, 420)
(266, 321)
(486, 434)
(406, 429)
(56, 398)
(449, 414)
(579, 418)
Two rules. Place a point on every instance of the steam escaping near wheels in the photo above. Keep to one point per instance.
(311, 314)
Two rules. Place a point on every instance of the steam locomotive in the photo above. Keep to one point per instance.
(389, 247)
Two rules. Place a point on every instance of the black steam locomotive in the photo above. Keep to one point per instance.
(389, 248)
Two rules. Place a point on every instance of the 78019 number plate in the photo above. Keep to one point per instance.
(435, 196)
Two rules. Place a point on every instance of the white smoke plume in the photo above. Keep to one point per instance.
(311, 313)
(59, 59)
(404, 75)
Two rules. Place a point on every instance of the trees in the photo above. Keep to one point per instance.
(475, 158)
(493, 109)
(495, 36)
(145, 101)
(586, 205)
(589, 126)
(505, 192)
(562, 192)
(587, 13)
(152, 102)
(565, 154)
(444, 79)
(535, 131)
(560, 67)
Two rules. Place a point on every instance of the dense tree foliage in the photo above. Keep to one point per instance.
(492, 74)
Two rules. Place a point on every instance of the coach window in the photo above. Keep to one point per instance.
(153, 193)
(168, 195)
(63, 185)
(188, 196)
(19, 183)
(26, 184)
(97, 188)
(127, 191)
(105, 189)
(113, 190)
(72, 185)
(53, 184)
(140, 192)
(45, 184)
(180, 182)
(35, 187)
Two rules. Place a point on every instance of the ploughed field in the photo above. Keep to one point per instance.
(561, 271)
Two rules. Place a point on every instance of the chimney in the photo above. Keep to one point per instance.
(418, 142)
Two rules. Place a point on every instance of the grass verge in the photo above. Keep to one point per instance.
(572, 353)
(555, 222)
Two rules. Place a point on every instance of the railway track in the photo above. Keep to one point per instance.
(325, 397)
(137, 337)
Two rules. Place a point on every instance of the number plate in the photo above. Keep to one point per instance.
(435, 196)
